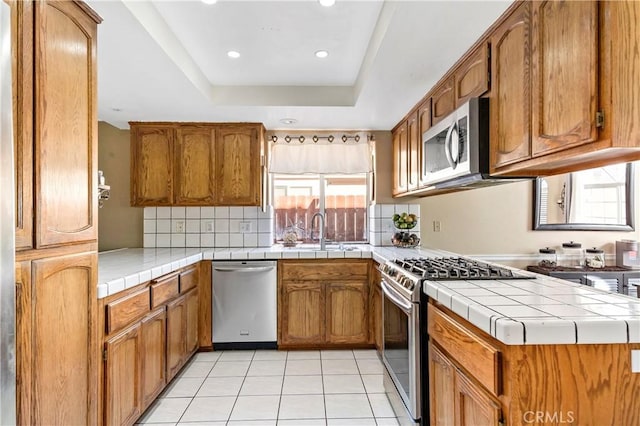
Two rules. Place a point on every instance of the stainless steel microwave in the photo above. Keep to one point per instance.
(455, 151)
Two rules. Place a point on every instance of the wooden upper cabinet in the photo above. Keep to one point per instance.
(347, 312)
(66, 155)
(194, 167)
(151, 165)
(22, 74)
(424, 121)
(400, 153)
(511, 90)
(442, 100)
(472, 76)
(564, 73)
(413, 161)
(238, 172)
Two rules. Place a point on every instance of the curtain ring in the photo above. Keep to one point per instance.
(344, 138)
(287, 139)
(301, 139)
(330, 138)
(357, 138)
(315, 139)
(274, 138)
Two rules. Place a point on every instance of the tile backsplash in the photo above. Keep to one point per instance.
(212, 227)
(207, 227)
(381, 227)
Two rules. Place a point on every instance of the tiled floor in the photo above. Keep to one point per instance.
(269, 388)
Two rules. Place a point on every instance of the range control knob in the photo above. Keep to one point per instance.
(411, 285)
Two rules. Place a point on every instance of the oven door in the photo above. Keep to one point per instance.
(401, 346)
(446, 148)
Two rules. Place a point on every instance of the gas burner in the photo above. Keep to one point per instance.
(457, 268)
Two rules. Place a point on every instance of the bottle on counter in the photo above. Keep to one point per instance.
(548, 258)
(572, 255)
(594, 258)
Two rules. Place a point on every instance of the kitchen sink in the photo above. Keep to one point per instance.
(329, 247)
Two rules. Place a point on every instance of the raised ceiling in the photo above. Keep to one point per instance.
(167, 60)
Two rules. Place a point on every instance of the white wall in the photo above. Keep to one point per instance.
(498, 220)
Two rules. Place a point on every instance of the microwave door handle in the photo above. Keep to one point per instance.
(448, 145)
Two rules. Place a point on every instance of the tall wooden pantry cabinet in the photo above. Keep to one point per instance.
(55, 121)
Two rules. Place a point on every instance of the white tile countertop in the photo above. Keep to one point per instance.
(543, 310)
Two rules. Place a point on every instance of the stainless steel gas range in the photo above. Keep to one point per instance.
(404, 313)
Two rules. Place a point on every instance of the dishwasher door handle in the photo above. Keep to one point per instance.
(245, 269)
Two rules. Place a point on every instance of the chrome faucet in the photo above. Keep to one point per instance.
(321, 234)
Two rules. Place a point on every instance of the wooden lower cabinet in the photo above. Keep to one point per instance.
(347, 312)
(191, 326)
(324, 310)
(301, 309)
(122, 377)
(153, 344)
(176, 314)
(473, 406)
(375, 309)
(57, 346)
(441, 388)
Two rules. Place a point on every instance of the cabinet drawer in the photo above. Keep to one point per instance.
(470, 351)
(189, 279)
(124, 311)
(164, 290)
(333, 270)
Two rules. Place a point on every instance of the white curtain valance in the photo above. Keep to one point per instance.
(333, 158)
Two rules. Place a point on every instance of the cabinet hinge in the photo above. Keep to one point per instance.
(600, 119)
(104, 354)
(501, 423)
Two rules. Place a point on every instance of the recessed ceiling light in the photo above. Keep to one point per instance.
(288, 121)
(233, 54)
(327, 3)
(322, 54)
(209, 1)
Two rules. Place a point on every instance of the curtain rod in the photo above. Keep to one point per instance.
(315, 138)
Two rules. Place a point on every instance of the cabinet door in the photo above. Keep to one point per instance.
(347, 312)
(176, 339)
(473, 406)
(564, 74)
(64, 363)
(194, 169)
(400, 157)
(302, 313)
(441, 388)
(375, 309)
(413, 163)
(424, 121)
(238, 166)
(472, 77)
(442, 101)
(511, 91)
(22, 72)
(151, 165)
(122, 370)
(66, 155)
(191, 336)
(153, 343)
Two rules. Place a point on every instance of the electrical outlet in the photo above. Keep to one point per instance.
(179, 225)
(208, 226)
(245, 226)
(437, 226)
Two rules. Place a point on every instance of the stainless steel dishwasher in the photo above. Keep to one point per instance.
(244, 304)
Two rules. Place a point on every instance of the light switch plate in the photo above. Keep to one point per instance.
(208, 226)
(635, 361)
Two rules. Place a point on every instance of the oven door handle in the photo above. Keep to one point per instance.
(397, 300)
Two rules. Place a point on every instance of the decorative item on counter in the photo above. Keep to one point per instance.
(572, 255)
(627, 255)
(292, 235)
(549, 258)
(594, 258)
(405, 221)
